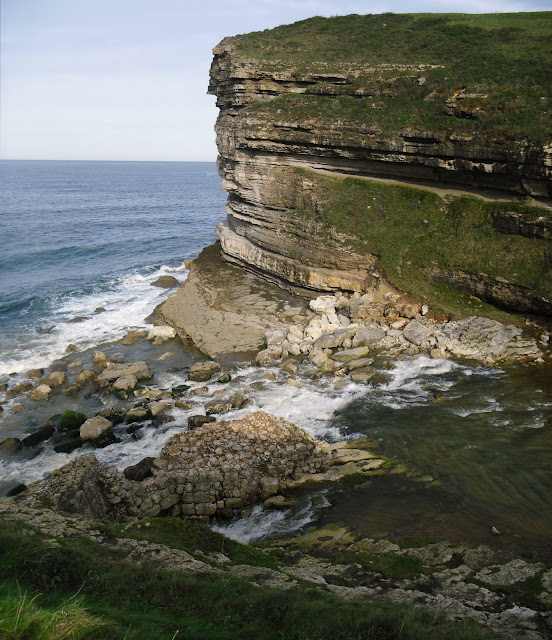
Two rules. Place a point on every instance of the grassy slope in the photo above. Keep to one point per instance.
(506, 57)
(413, 229)
(78, 589)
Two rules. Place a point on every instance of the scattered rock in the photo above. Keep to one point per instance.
(133, 336)
(34, 374)
(416, 333)
(198, 421)
(368, 336)
(77, 319)
(55, 379)
(94, 427)
(37, 436)
(70, 420)
(138, 414)
(99, 356)
(351, 354)
(86, 376)
(19, 388)
(141, 471)
(71, 347)
(224, 378)
(125, 383)
(166, 282)
(114, 371)
(179, 390)
(68, 445)
(203, 371)
(159, 408)
(162, 334)
(278, 503)
(274, 337)
(41, 392)
(11, 445)
(15, 491)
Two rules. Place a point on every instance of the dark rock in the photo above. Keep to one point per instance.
(70, 420)
(140, 471)
(132, 428)
(197, 421)
(224, 378)
(53, 420)
(72, 390)
(11, 445)
(218, 406)
(46, 330)
(60, 365)
(138, 414)
(105, 439)
(115, 416)
(78, 319)
(20, 388)
(37, 436)
(68, 445)
(35, 373)
(203, 371)
(15, 491)
(180, 390)
(99, 310)
(166, 282)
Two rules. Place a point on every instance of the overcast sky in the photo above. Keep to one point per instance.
(127, 79)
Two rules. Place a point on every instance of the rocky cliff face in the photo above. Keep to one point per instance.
(277, 141)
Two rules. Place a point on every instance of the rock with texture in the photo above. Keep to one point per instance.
(203, 371)
(94, 427)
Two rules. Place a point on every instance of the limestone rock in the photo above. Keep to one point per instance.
(10, 445)
(133, 336)
(350, 354)
(274, 336)
(368, 336)
(55, 379)
(94, 427)
(86, 376)
(19, 388)
(203, 371)
(41, 392)
(125, 383)
(164, 332)
(113, 371)
(264, 358)
(416, 333)
(159, 408)
(166, 282)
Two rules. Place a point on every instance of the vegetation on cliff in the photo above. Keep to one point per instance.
(458, 74)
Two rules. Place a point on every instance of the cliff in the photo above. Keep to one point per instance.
(414, 149)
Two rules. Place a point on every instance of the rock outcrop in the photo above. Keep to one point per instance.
(276, 143)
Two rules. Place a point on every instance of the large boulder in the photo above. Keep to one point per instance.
(166, 282)
(368, 336)
(70, 420)
(416, 333)
(41, 392)
(113, 371)
(94, 427)
(203, 371)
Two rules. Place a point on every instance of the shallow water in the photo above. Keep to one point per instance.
(476, 441)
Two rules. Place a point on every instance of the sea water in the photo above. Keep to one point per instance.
(474, 443)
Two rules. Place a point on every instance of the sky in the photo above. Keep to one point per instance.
(127, 79)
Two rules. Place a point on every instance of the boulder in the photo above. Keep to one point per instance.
(67, 445)
(34, 374)
(41, 392)
(55, 379)
(198, 421)
(86, 376)
(203, 371)
(164, 332)
(70, 420)
(159, 408)
(94, 427)
(38, 435)
(19, 388)
(138, 414)
(98, 356)
(218, 406)
(125, 383)
(359, 364)
(166, 282)
(179, 390)
(278, 503)
(323, 304)
(265, 357)
(274, 336)
(368, 336)
(113, 371)
(11, 445)
(15, 491)
(351, 354)
(140, 471)
(133, 336)
(416, 333)
(408, 310)
(362, 375)
(115, 416)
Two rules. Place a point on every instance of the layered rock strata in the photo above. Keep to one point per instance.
(273, 227)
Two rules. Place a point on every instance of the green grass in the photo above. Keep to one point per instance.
(79, 589)
(414, 231)
(505, 59)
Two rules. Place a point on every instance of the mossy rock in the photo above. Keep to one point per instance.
(70, 420)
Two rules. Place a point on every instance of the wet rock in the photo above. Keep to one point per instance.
(37, 436)
(179, 390)
(55, 379)
(68, 445)
(98, 310)
(166, 282)
(203, 371)
(159, 408)
(198, 421)
(99, 356)
(359, 364)
(105, 439)
(34, 374)
(224, 378)
(41, 392)
(133, 336)
(141, 471)
(362, 375)
(350, 354)
(266, 356)
(86, 376)
(77, 319)
(138, 414)
(94, 427)
(19, 388)
(70, 420)
(216, 406)
(162, 334)
(199, 391)
(114, 371)
(125, 383)
(71, 347)
(11, 445)
(115, 416)
(185, 406)
(60, 365)
(15, 491)
(278, 503)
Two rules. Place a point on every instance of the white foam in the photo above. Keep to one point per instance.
(128, 300)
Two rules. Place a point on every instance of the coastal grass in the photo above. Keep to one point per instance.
(75, 588)
(415, 232)
(502, 64)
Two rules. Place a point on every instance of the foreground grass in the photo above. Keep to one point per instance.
(502, 62)
(78, 589)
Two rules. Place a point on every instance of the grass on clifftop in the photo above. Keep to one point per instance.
(501, 62)
(77, 589)
(413, 230)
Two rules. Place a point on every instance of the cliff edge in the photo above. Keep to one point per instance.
(413, 149)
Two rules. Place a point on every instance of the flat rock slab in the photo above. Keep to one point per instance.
(224, 309)
(203, 371)
(351, 354)
(139, 369)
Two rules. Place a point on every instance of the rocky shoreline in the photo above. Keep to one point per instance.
(221, 468)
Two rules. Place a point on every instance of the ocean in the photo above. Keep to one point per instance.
(78, 237)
